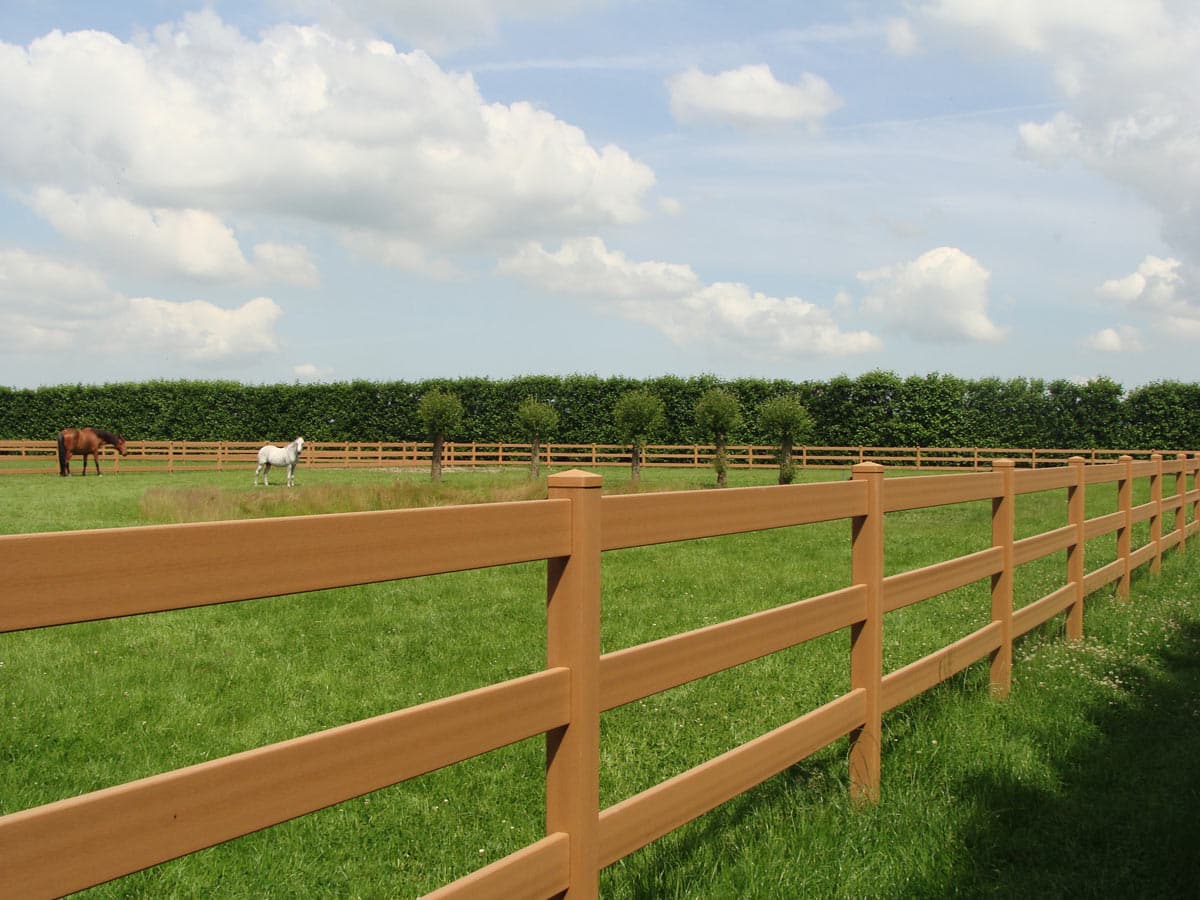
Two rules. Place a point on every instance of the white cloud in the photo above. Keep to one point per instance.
(201, 126)
(750, 96)
(901, 38)
(1159, 294)
(1157, 284)
(1126, 73)
(201, 331)
(1123, 339)
(49, 305)
(940, 296)
(672, 299)
(435, 24)
(311, 372)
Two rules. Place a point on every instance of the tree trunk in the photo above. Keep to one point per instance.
(719, 463)
(786, 475)
(436, 472)
(535, 451)
(635, 462)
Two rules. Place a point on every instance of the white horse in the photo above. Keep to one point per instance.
(270, 455)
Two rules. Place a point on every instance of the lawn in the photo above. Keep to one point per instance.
(1082, 783)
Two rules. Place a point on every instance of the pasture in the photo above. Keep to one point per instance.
(1083, 780)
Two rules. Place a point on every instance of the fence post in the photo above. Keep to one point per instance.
(866, 637)
(573, 642)
(1156, 519)
(1181, 493)
(1003, 527)
(1077, 516)
(1195, 485)
(1125, 532)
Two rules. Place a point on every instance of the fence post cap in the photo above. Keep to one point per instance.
(574, 478)
(866, 467)
(1004, 463)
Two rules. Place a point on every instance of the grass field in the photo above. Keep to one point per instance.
(1084, 783)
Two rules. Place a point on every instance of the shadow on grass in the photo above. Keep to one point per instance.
(1125, 821)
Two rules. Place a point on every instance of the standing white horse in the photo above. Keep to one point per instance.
(270, 455)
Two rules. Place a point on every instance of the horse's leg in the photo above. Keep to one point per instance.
(96, 460)
(291, 474)
(267, 474)
(257, 472)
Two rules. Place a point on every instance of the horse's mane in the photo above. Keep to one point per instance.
(107, 436)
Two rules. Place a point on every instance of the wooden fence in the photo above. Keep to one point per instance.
(34, 457)
(80, 841)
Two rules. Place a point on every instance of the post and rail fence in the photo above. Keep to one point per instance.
(80, 841)
(30, 457)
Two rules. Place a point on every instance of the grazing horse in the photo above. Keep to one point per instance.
(271, 455)
(85, 442)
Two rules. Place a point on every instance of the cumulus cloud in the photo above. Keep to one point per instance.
(901, 38)
(940, 296)
(674, 300)
(1158, 292)
(1123, 339)
(434, 24)
(1125, 71)
(311, 372)
(750, 96)
(49, 305)
(202, 126)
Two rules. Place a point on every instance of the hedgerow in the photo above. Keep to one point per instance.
(875, 409)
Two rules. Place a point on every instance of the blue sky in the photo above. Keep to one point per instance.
(327, 190)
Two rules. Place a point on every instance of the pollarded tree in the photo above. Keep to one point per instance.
(638, 415)
(788, 421)
(442, 412)
(717, 414)
(536, 420)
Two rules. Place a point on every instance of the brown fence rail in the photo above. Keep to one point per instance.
(81, 841)
(35, 457)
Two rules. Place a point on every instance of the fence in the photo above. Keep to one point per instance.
(73, 843)
(34, 457)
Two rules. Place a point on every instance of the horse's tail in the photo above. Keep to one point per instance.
(62, 453)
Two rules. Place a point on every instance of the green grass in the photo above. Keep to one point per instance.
(1083, 783)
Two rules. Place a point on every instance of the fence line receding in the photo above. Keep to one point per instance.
(76, 842)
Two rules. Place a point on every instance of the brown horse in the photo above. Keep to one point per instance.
(85, 442)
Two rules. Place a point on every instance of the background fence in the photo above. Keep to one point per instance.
(76, 842)
(31, 457)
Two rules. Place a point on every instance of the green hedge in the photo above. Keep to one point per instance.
(875, 409)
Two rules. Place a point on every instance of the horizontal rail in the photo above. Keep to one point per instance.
(636, 520)
(1102, 525)
(1093, 581)
(1039, 545)
(1027, 481)
(939, 490)
(1033, 614)
(635, 822)
(904, 684)
(1144, 511)
(126, 571)
(921, 584)
(638, 672)
(543, 869)
(165, 816)
(1141, 555)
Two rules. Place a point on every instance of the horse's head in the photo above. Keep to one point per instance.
(119, 443)
(299, 442)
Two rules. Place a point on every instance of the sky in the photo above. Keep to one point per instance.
(279, 191)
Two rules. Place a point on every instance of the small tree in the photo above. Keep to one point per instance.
(785, 419)
(638, 415)
(442, 413)
(717, 414)
(536, 420)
